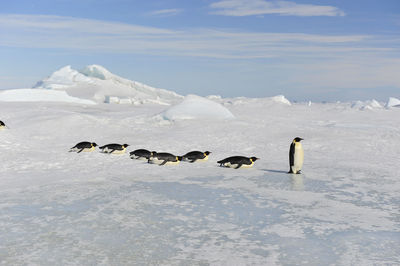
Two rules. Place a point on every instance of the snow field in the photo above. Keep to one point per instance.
(92, 208)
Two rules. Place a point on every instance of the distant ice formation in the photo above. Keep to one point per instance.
(96, 83)
(393, 102)
(196, 107)
(366, 105)
(281, 99)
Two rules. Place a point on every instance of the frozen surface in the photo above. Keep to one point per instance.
(196, 107)
(61, 208)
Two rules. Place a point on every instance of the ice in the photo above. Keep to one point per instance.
(197, 107)
(96, 83)
(393, 102)
(40, 95)
(366, 105)
(62, 208)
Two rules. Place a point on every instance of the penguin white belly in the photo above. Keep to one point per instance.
(247, 165)
(230, 165)
(298, 158)
(88, 149)
(235, 165)
(2, 127)
(155, 161)
(138, 158)
(202, 160)
(107, 150)
(172, 163)
(83, 150)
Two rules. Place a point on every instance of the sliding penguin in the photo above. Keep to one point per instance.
(84, 146)
(141, 154)
(238, 162)
(114, 148)
(194, 156)
(2, 125)
(163, 158)
(296, 156)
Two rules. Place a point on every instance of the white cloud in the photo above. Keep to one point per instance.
(311, 59)
(261, 7)
(40, 31)
(166, 12)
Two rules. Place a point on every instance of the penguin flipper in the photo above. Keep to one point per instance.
(113, 150)
(239, 165)
(80, 150)
(164, 162)
(192, 161)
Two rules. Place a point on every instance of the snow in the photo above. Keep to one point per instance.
(393, 102)
(62, 208)
(197, 107)
(96, 83)
(366, 105)
(37, 95)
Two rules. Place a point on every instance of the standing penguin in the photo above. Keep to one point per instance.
(296, 156)
(114, 148)
(194, 156)
(238, 162)
(84, 146)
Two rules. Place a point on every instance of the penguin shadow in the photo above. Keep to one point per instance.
(296, 180)
(275, 171)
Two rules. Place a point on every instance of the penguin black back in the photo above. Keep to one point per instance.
(196, 155)
(141, 154)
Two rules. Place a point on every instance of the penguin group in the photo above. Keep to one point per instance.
(296, 155)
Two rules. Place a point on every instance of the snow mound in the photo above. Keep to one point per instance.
(40, 95)
(97, 71)
(62, 79)
(281, 99)
(393, 102)
(96, 83)
(270, 101)
(196, 107)
(366, 105)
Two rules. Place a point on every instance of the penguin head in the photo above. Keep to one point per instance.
(94, 144)
(297, 139)
(153, 153)
(207, 153)
(125, 145)
(179, 158)
(253, 159)
(2, 123)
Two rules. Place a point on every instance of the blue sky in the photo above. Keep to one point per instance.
(306, 50)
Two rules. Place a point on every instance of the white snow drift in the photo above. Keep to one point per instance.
(196, 107)
(40, 95)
